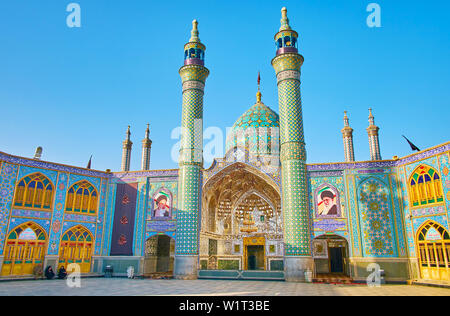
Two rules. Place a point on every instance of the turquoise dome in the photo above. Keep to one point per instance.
(258, 116)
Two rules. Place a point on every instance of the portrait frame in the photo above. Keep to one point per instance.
(158, 198)
(319, 203)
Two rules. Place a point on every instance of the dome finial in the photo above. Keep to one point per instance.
(284, 20)
(194, 32)
(258, 94)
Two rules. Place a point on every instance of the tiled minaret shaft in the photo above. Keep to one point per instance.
(287, 64)
(146, 150)
(347, 137)
(127, 144)
(193, 75)
(374, 142)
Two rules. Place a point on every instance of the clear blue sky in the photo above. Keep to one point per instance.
(74, 91)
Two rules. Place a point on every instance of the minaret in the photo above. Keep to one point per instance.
(287, 64)
(193, 76)
(146, 150)
(347, 137)
(374, 142)
(126, 151)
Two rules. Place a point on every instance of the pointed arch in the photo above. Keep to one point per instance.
(433, 248)
(76, 247)
(24, 249)
(425, 186)
(34, 191)
(82, 197)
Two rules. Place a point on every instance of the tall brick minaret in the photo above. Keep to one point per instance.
(287, 64)
(127, 144)
(146, 150)
(374, 142)
(347, 137)
(193, 76)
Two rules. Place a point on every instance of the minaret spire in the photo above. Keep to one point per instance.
(126, 151)
(347, 137)
(194, 33)
(146, 150)
(374, 141)
(284, 20)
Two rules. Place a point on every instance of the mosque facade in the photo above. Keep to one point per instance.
(259, 211)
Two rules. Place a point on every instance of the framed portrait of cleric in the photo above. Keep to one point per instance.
(326, 199)
(162, 205)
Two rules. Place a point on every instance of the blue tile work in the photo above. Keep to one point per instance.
(31, 214)
(139, 227)
(17, 221)
(8, 174)
(398, 215)
(58, 213)
(88, 226)
(444, 170)
(328, 225)
(376, 216)
(109, 216)
(25, 171)
(355, 240)
(417, 216)
(74, 178)
(99, 237)
(406, 212)
(167, 227)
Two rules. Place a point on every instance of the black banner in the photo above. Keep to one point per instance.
(125, 212)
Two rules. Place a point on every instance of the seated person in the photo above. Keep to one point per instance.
(62, 274)
(49, 274)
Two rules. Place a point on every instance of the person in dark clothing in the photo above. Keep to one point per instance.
(49, 274)
(62, 273)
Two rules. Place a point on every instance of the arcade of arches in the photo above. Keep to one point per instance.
(241, 222)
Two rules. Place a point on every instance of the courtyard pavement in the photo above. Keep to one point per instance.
(122, 286)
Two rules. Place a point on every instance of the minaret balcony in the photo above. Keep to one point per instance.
(194, 61)
(284, 50)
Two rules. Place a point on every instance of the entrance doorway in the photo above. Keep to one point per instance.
(336, 260)
(254, 253)
(255, 257)
(159, 251)
(330, 254)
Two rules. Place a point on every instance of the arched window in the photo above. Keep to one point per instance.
(425, 186)
(192, 53)
(82, 197)
(294, 42)
(287, 41)
(76, 247)
(24, 250)
(185, 54)
(433, 244)
(280, 43)
(34, 191)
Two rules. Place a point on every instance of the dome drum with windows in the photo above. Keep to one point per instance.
(257, 130)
